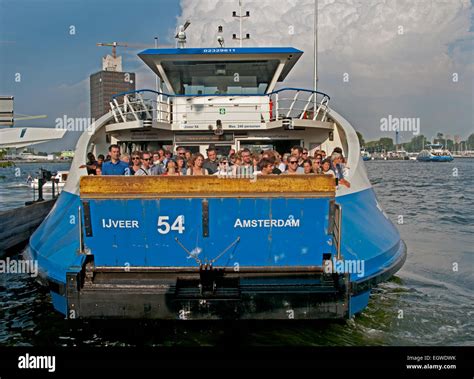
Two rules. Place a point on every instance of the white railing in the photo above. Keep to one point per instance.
(283, 104)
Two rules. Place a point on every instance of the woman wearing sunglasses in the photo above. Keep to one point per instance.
(135, 162)
(224, 168)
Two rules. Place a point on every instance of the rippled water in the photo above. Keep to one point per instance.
(14, 189)
(436, 301)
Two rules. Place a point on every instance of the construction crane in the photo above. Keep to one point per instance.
(113, 45)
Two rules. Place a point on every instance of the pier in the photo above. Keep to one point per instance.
(17, 225)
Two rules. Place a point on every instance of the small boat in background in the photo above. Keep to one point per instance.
(366, 156)
(60, 178)
(435, 153)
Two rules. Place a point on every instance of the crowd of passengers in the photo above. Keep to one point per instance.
(237, 164)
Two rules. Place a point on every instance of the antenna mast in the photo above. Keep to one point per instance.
(315, 52)
(241, 17)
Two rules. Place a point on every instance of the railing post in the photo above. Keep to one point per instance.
(276, 106)
(293, 103)
(168, 110)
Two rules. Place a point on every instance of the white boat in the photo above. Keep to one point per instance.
(60, 180)
(366, 156)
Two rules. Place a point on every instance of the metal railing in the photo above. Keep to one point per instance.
(299, 103)
(286, 103)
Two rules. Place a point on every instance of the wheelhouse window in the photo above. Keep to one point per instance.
(220, 77)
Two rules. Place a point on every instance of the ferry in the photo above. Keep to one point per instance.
(435, 153)
(209, 247)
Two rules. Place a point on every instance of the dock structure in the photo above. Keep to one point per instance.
(18, 224)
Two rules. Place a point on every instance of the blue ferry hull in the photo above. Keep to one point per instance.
(435, 158)
(272, 269)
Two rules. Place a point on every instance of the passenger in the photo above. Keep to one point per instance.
(271, 156)
(266, 167)
(256, 158)
(98, 171)
(284, 162)
(115, 166)
(245, 167)
(326, 168)
(168, 156)
(181, 153)
(125, 158)
(231, 152)
(224, 168)
(91, 164)
(297, 151)
(211, 164)
(181, 164)
(171, 169)
(188, 155)
(293, 167)
(195, 167)
(161, 153)
(101, 159)
(156, 158)
(337, 168)
(308, 167)
(232, 159)
(316, 163)
(144, 170)
(276, 164)
(305, 154)
(323, 154)
(136, 162)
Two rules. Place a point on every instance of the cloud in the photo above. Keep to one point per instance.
(393, 51)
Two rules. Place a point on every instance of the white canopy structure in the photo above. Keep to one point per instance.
(21, 137)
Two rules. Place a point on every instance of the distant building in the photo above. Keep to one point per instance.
(108, 82)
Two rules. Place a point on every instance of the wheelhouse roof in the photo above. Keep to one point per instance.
(287, 56)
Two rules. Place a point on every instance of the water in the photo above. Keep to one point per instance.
(427, 303)
(14, 189)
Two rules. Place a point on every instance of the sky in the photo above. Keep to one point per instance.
(376, 58)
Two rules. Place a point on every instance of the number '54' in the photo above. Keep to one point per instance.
(164, 226)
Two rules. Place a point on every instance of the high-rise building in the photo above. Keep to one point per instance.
(108, 82)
